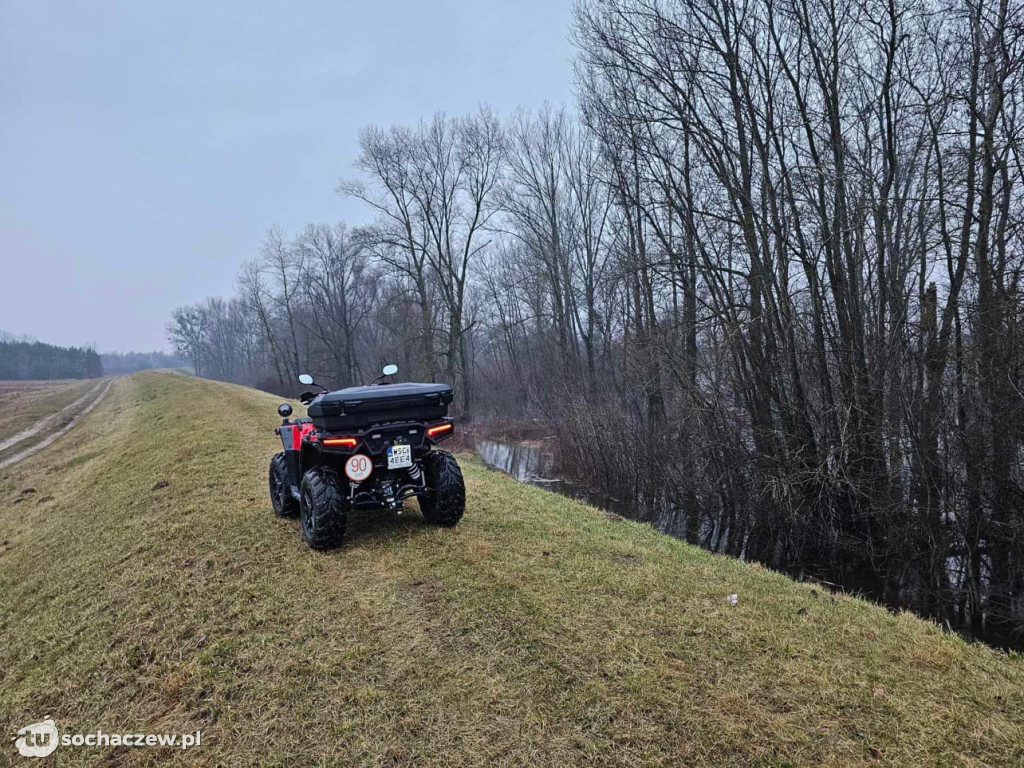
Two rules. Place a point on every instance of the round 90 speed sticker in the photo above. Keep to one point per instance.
(358, 467)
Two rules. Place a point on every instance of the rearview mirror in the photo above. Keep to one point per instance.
(305, 378)
(390, 370)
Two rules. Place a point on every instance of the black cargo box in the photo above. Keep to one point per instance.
(359, 407)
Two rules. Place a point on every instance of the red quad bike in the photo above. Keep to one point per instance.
(366, 447)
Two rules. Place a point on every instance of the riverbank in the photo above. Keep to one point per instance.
(153, 590)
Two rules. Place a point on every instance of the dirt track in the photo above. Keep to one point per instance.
(63, 421)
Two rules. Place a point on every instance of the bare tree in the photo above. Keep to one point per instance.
(435, 186)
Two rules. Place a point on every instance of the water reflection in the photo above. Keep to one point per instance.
(534, 463)
(526, 462)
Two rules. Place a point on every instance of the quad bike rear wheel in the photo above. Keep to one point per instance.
(281, 497)
(445, 502)
(322, 508)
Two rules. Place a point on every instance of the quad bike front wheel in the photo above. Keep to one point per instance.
(322, 509)
(445, 501)
(281, 497)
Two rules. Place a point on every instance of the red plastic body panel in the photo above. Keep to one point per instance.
(292, 435)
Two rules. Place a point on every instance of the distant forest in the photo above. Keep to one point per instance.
(24, 360)
(131, 362)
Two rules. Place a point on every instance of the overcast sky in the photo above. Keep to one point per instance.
(145, 147)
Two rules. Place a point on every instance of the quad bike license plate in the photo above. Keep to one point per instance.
(399, 456)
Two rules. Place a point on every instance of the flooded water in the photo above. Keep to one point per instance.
(526, 462)
(534, 463)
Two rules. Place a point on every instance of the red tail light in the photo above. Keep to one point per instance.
(440, 429)
(341, 442)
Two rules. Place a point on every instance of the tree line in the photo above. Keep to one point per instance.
(28, 360)
(765, 277)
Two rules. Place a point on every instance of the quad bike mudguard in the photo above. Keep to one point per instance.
(292, 436)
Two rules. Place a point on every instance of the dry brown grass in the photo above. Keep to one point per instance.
(22, 403)
(538, 632)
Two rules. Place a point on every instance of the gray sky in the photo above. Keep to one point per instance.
(145, 147)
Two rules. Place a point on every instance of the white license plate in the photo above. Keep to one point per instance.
(399, 456)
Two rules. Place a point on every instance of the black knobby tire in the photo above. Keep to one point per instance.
(445, 501)
(281, 497)
(323, 511)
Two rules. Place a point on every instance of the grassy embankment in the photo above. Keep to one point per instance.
(538, 632)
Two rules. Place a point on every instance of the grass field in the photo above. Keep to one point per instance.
(145, 586)
(22, 403)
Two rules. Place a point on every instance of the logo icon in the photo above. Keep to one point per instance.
(38, 739)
